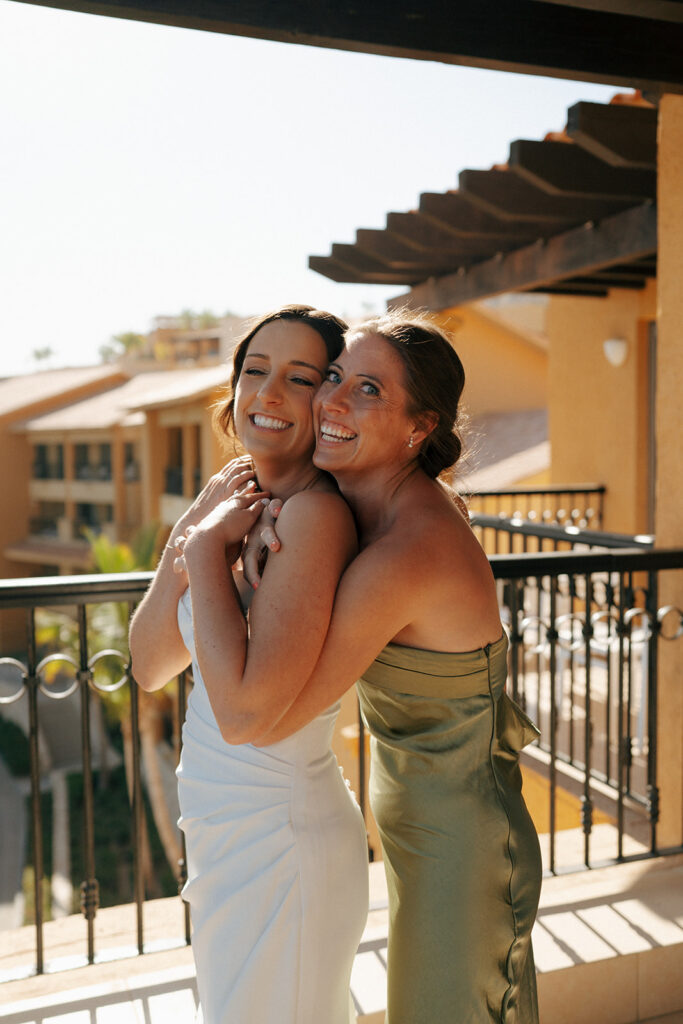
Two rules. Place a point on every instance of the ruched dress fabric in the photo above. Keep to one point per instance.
(460, 851)
(277, 867)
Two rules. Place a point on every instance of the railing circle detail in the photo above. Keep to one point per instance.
(109, 652)
(22, 682)
(52, 659)
(664, 613)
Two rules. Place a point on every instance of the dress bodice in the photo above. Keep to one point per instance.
(303, 747)
(411, 696)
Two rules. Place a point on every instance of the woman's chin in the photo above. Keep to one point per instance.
(326, 458)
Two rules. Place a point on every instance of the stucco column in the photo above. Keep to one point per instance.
(117, 471)
(189, 457)
(669, 482)
(153, 461)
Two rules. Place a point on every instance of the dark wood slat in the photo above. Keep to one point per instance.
(398, 256)
(567, 169)
(368, 269)
(454, 213)
(604, 279)
(587, 291)
(626, 236)
(663, 10)
(328, 267)
(422, 235)
(619, 134)
(508, 195)
(508, 35)
(644, 269)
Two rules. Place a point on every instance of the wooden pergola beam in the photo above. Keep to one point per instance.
(625, 236)
(563, 168)
(631, 47)
(621, 135)
(454, 213)
(506, 195)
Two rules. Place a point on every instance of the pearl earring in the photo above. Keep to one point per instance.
(411, 441)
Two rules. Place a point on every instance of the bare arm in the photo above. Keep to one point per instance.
(254, 672)
(425, 584)
(157, 649)
(378, 595)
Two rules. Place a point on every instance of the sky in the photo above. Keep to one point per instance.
(147, 169)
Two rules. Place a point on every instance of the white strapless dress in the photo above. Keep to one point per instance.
(277, 869)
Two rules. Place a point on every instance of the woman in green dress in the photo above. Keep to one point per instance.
(416, 620)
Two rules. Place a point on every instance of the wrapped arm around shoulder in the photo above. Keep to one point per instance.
(156, 646)
(378, 595)
(253, 673)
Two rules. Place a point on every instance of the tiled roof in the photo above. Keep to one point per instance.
(503, 448)
(124, 405)
(25, 390)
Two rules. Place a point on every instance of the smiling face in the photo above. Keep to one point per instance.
(284, 366)
(361, 411)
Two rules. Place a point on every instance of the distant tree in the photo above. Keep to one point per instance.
(41, 355)
(207, 319)
(186, 319)
(121, 345)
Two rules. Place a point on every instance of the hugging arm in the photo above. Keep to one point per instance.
(379, 593)
(254, 671)
(156, 646)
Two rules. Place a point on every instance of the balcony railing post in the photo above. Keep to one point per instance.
(31, 682)
(652, 603)
(515, 635)
(623, 730)
(138, 813)
(586, 801)
(182, 863)
(89, 886)
(552, 638)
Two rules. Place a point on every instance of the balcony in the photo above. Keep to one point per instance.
(589, 639)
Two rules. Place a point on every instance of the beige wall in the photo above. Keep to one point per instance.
(669, 514)
(599, 412)
(504, 371)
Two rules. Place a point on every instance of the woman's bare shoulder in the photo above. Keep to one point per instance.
(318, 510)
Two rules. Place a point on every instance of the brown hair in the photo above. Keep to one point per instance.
(330, 328)
(434, 380)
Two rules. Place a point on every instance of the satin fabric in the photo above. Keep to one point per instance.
(277, 869)
(461, 853)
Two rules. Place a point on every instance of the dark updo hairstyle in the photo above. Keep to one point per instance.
(330, 328)
(434, 380)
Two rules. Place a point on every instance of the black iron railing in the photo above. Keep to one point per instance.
(584, 632)
(501, 534)
(554, 503)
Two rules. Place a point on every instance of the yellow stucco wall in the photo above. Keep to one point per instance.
(504, 371)
(599, 412)
(669, 427)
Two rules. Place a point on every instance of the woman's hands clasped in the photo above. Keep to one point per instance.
(227, 524)
(236, 479)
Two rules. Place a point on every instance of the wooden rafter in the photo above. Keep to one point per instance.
(564, 168)
(619, 239)
(626, 44)
(619, 135)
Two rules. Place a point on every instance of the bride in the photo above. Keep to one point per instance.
(276, 845)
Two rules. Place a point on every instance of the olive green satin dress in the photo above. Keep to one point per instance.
(460, 850)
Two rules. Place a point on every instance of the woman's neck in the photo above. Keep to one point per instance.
(283, 480)
(373, 498)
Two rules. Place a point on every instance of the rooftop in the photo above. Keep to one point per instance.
(124, 405)
(27, 390)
